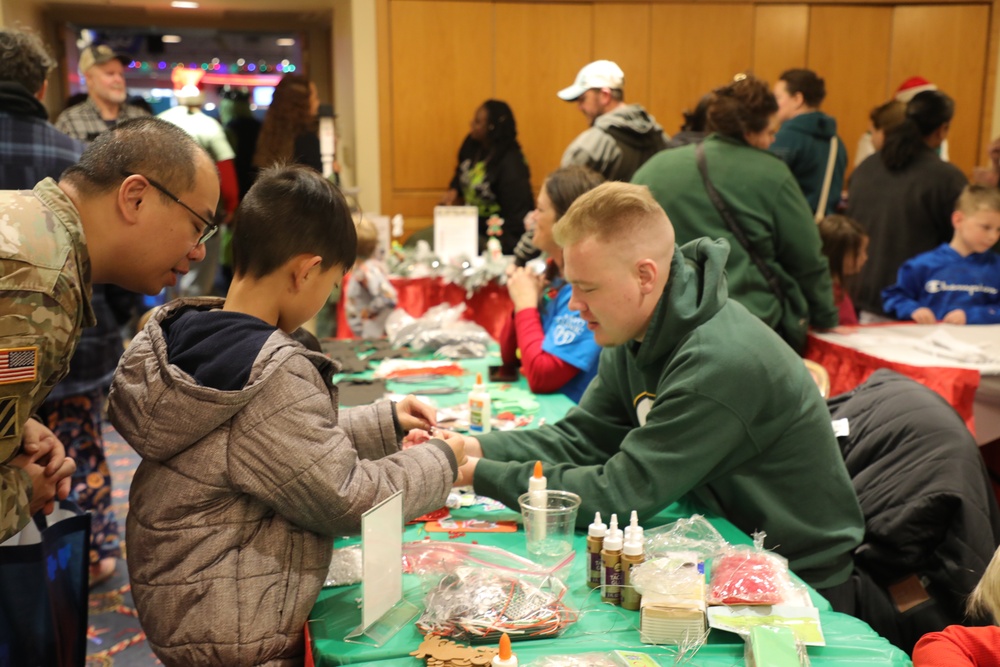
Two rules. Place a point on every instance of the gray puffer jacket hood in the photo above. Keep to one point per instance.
(239, 494)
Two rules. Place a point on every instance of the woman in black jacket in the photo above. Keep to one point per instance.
(492, 174)
(904, 196)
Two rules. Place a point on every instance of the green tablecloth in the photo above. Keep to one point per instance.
(600, 627)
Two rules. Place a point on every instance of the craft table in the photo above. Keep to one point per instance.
(600, 627)
(971, 387)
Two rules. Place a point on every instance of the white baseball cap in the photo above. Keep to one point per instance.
(598, 74)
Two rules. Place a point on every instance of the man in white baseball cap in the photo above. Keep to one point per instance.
(622, 136)
(104, 72)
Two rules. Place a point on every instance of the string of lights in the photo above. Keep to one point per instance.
(241, 66)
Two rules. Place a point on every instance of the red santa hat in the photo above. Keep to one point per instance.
(912, 86)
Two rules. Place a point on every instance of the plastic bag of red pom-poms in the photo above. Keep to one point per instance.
(749, 575)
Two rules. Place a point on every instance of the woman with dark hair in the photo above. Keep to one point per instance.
(904, 196)
(783, 278)
(492, 174)
(558, 352)
(289, 133)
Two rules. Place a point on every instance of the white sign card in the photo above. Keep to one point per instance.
(381, 558)
(456, 232)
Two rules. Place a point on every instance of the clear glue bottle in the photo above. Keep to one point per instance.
(632, 555)
(595, 542)
(505, 657)
(611, 564)
(480, 413)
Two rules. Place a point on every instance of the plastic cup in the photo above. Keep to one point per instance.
(549, 526)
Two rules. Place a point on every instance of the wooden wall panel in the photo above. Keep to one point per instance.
(623, 35)
(438, 79)
(956, 64)
(532, 65)
(696, 47)
(780, 33)
(856, 84)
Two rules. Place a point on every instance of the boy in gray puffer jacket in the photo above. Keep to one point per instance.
(249, 467)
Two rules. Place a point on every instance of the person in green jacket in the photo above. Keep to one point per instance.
(694, 399)
(765, 200)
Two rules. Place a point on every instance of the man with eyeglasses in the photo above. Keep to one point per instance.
(135, 211)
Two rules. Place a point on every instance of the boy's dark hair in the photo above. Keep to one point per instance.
(842, 237)
(151, 147)
(742, 107)
(805, 81)
(289, 211)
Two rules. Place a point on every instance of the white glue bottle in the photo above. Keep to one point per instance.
(633, 531)
(480, 413)
(505, 657)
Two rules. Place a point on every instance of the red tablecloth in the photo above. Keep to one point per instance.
(489, 306)
(848, 368)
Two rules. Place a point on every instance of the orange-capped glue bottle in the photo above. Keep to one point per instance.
(480, 413)
(505, 658)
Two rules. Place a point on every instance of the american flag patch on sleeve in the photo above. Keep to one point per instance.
(18, 364)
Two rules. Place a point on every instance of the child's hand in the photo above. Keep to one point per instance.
(924, 316)
(956, 316)
(414, 413)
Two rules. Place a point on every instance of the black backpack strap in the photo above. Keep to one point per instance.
(772, 280)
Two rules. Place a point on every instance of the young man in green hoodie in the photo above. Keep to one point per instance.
(805, 138)
(695, 397)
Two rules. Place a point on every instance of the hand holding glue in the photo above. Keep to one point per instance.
(538, 497)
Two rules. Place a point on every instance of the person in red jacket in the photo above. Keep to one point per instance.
(553, 345)
(958, 645)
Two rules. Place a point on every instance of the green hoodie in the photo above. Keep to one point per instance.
(711, 403)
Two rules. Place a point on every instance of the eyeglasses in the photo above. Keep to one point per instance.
(210, 227)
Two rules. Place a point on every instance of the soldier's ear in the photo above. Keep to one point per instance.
(130, 197)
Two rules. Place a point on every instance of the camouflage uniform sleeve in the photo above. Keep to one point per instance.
(15, 501)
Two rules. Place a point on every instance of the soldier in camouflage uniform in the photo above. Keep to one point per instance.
(135, 211)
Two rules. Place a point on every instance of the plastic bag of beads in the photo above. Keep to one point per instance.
(345, 567)
(694, 534)
(750, 575)
(434, 559)
(479, 604)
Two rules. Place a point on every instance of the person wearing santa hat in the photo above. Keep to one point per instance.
(905, 93)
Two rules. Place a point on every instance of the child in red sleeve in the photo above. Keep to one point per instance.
(845, 245)
(960, 646)
(557, 349)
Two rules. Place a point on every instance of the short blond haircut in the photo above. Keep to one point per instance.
(612, 211)
(367, 238)
(985, 598)
(978, 198)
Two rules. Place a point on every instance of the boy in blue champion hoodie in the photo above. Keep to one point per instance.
(957, 282)
(694, 397)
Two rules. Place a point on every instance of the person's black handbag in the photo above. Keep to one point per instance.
(44, 587)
